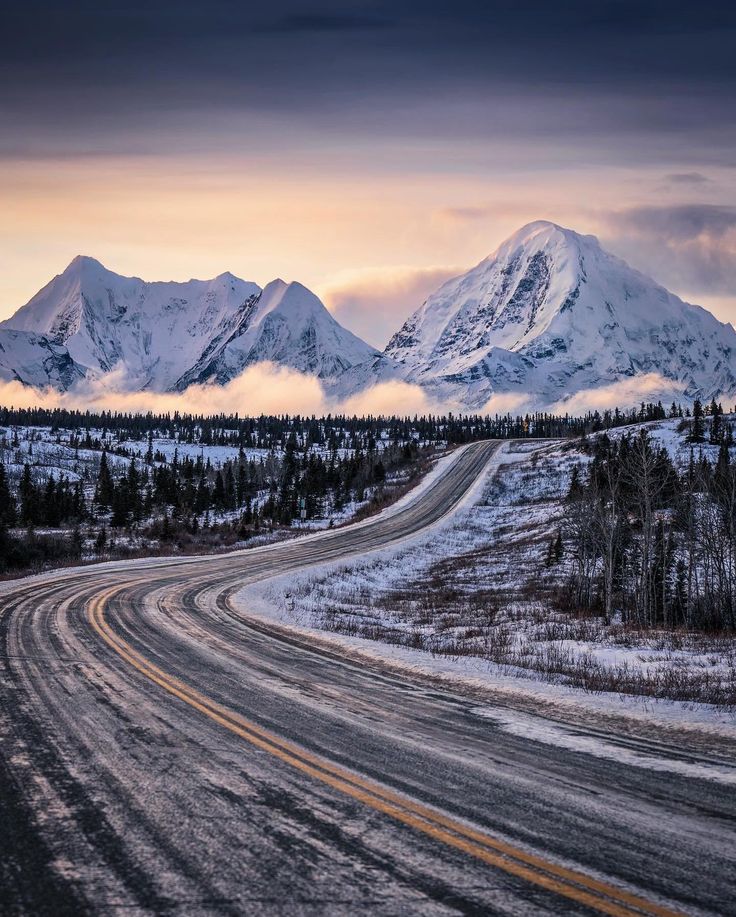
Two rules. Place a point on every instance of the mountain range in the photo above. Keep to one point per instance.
(549, 314)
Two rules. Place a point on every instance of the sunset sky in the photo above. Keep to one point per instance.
(368, 150)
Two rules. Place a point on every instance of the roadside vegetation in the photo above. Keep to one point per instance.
(605, 563)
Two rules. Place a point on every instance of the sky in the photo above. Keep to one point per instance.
(369, 150)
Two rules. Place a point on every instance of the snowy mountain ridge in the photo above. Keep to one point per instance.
(548, 315)
(166, 335)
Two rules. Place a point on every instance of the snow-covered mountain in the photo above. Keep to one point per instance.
(288, 325)
(548, 315)
(164, 336)
(551, 313)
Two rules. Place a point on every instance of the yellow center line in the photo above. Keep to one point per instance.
(569, 883)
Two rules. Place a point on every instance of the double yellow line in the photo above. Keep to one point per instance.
(569, 883)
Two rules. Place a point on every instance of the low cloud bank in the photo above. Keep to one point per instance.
(507, 403)
(261, 389)
(625, 393)
(269, 389)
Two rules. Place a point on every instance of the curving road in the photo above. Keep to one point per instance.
(161, 753)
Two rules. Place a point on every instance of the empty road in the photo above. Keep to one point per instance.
(161, 753)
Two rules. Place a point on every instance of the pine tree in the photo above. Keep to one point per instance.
(120, 508)
(76, 544)
(101, 541)
(8, 510)
(558, 549)
(218, 495)
(575, 485)
(29, 502)
(697, 429)
(105, 486)
(716, 424)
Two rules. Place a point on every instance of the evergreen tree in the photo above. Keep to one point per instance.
(29, 500)
(697, 429)
(105, 486)
(8, 509)
(558, 547)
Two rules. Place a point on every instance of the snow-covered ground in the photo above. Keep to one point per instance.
(667, 433)
(463, 601)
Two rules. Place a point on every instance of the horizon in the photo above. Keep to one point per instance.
(433, 282)
(368, 151)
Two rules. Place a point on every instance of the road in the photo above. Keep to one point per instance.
(161, 753)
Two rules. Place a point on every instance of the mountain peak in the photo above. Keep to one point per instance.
(82, 263)
(544, 235)
(551, 312)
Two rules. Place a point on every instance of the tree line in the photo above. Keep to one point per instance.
(90, 429)
(267, 492)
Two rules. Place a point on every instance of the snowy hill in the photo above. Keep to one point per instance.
(550, 313)
(164, 336)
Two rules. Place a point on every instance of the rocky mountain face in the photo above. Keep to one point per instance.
(287, 325)
(549, 314)
(33, 359)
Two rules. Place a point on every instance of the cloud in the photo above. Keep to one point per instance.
(392, 398)
(687, 178)
(374, 303)
(16, 395)
(680, 222)
(507, 403)
(324, 22)
(261, 389)
(465, 214)
(625, 393)
(690, 248)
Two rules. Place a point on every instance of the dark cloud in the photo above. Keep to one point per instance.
(688, 247)
(679, 223)
(316, 22)
(649, 77)
(688, 178)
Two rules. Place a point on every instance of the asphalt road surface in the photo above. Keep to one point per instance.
(160, 753)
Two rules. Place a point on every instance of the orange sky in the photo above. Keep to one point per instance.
(373, 230)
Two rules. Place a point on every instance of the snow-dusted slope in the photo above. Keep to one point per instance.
(551, 313)
(163, 336)
(287, 325)
(35, 360)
